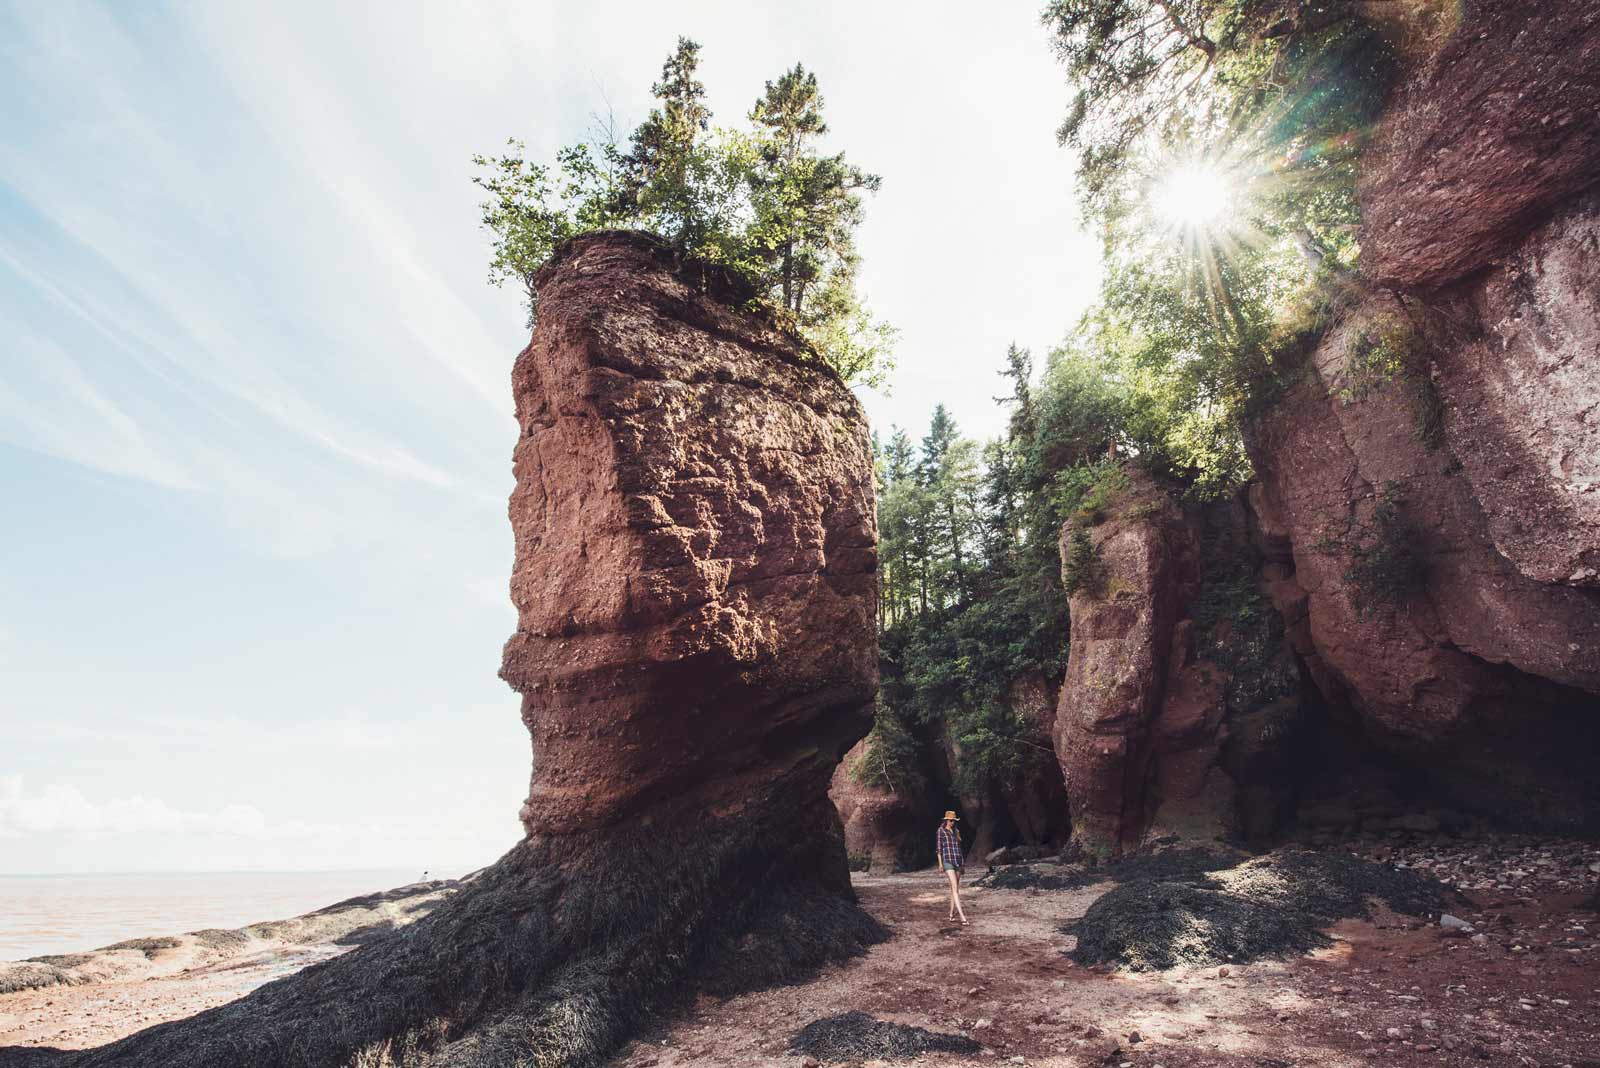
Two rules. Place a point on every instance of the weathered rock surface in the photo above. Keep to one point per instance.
(1476, 659)
(1181, 711)
(1465, 664)
(1131, 688)
(1495, 133)
(882, 827)
(1124, 616)
(695, 552)
(1522, 398)
(695, 548)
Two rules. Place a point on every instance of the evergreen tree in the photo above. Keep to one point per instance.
(657, 168)
(767, 204)
(807, 206)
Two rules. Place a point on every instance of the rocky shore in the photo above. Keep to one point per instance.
(82, 1000)
(1507, 974)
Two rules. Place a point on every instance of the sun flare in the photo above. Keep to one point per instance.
(1193, 195)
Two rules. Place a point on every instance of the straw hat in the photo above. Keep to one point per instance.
(950, 815)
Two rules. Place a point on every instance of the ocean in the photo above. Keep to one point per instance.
(42, 914)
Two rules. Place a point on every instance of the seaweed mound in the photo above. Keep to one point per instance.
(1160, 860)
(695, 579)
(855, 1036)
(1039, 877)
(1273, 906)
(1183, 864)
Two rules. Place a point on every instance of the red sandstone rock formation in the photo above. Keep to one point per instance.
(1478, 670)
(1485, 673)
(881, 826)
(1131, 687)
(1496, 132)
(695, 553)
(1181, 712)
(695, 548)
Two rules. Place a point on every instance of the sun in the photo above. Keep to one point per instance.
(1193, 195)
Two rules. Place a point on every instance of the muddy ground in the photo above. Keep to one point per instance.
(1392, 990)
(1522, 988)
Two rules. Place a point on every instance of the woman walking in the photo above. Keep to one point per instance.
(951, 861)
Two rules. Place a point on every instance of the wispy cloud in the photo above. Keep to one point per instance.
(63, 809)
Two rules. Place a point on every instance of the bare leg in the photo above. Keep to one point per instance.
(955, 895)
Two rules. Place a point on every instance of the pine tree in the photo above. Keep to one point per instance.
(657, 170)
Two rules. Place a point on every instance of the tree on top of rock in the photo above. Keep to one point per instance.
(765, 203)
(656, 170)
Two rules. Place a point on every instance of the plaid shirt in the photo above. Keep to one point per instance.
(949, 846)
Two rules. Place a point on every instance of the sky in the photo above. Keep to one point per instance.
(255, 412)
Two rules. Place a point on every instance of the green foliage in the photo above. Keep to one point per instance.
(1151, 73)
(1200, 324)
(1238, 629)
(1081, 569)
(1110, 483)
(531, 209)
(890, 760)
(1388, 350)
(763, 202)
(1380, 352)
(1384, 568)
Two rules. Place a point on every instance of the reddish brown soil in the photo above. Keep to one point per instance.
(1392, 991)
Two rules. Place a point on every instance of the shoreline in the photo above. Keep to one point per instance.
(1391, 988)
(82, 1000)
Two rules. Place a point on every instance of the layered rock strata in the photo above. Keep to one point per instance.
(694, 579)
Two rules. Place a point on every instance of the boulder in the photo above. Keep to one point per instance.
(885, 830)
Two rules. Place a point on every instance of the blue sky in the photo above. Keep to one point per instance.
(255, 416)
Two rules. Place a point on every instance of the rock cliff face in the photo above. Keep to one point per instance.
(1496, 132)
(695, 555)
(1181, 706)
(1125, 615)
(694, 579)
(1443, 583)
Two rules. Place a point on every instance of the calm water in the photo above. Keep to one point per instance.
(68, 913)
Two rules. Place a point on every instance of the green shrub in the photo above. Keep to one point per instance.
(891, 757)
(1110, 480)
(1387, 351)
(1081, 570)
